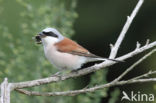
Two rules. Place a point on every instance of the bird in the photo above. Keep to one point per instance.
(64, 53)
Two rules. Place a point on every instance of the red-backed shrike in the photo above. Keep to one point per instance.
(63, 52)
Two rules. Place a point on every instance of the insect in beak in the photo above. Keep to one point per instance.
(38, 39)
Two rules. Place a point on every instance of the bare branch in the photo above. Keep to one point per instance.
(111, 46)
(147, 41)
(134, 65)
(137, 51)
(76, 92)
(144, 75)
(5, 92)
(113, 83)
(80, 72)
(130, 18)
(138, 45)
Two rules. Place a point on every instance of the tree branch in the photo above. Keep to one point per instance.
(5, 91)
(144, 75)
(137, 51)
(96, 67)
(115, 82)
(114, 49)
(76, 92)
(134, 65)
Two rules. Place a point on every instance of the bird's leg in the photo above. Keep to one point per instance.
(60, 73)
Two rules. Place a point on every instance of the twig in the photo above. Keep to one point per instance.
(138, 45)
(134, 65)
(147, 41)
(144, 75)
(137, 51)
(130, 18)
(76, 92)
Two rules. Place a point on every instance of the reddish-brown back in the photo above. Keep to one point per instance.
(68, 45)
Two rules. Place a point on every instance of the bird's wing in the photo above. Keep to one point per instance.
(84, 54)
(69, 46)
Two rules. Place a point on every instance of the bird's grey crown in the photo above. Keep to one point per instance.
(60, 37)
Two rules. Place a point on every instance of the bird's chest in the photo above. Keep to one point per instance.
(63, 60)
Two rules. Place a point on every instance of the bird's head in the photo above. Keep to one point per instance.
(50, 36)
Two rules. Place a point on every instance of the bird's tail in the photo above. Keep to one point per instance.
(98, 58)
(102, 59)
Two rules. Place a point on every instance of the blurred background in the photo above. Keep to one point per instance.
(92, 23)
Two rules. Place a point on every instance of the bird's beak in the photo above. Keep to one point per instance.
(38, 39)
(42, 35)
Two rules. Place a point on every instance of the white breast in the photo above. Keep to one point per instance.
(59, 59)
(63, 60)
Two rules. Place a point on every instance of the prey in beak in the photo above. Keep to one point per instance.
(38, 37)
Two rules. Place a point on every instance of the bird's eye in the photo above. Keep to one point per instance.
(50, 34)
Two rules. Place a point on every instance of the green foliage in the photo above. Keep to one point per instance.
(21, 59)
(114, 96)
(96, 79)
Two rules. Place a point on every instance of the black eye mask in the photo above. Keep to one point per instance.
(50, 34)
